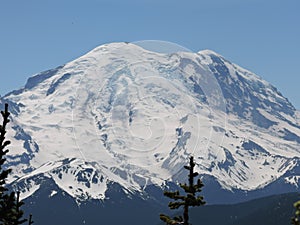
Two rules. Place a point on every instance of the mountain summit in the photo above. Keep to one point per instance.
(124, 115)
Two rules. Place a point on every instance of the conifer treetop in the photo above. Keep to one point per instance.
(190, 199)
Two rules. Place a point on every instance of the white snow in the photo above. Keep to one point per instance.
(131, 116)
(53, 192)
(294, 180)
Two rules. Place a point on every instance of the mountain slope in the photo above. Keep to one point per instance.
(121, 114)
(275, 210)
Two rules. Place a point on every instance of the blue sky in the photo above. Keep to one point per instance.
(262, 36)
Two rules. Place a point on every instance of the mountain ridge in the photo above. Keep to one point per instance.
(126, 115)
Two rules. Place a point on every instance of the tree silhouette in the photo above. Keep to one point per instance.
(10, 204)
(3, 151)
(188, 200)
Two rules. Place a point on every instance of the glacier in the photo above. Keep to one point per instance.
(122, 114)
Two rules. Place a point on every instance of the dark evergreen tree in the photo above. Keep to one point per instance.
(10, 211)
(12, 214)
(18, 213)
(6, 209)
(3, 151)
(188, 200)
(6, 201)
(296, 219)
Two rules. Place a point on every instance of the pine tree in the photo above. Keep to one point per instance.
(188, 200)
(10, 204)
(6, 201)
(13, 213)
(3, 151)
(296, 219)
(18, 213)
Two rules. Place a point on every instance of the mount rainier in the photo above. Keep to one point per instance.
(124, 119)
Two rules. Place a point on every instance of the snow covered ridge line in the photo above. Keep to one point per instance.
(131, 116)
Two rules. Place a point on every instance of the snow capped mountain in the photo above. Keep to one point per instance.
(122, 114)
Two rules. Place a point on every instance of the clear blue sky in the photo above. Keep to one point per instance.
(260, 35)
